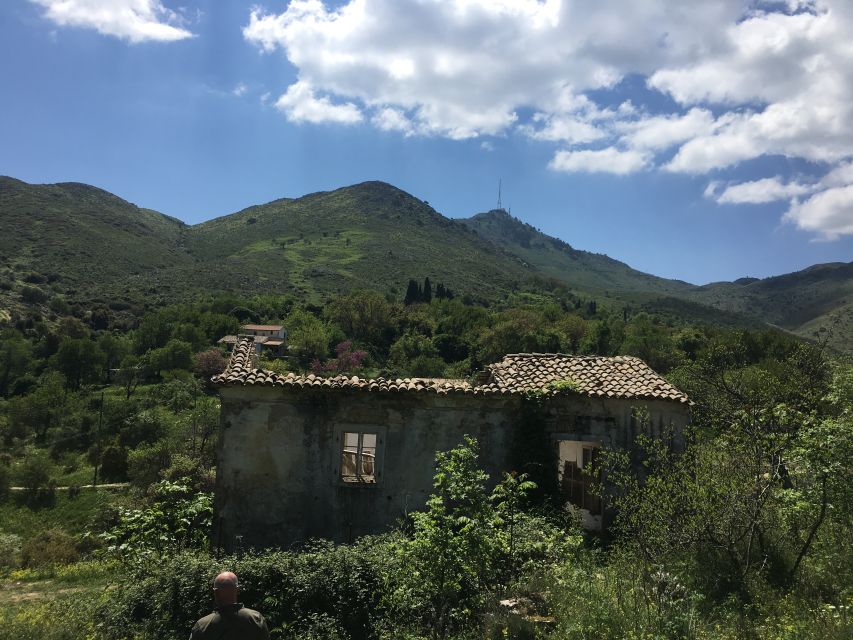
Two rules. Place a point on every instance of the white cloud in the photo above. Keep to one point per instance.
(300, 104)
(389, 119)
(662, 132)
(240, 89)
(743, 78)
(758, 191)
(608, 160)
(132, 20)
(829, 213)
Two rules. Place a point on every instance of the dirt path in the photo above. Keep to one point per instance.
(106, 485)
(17, 592)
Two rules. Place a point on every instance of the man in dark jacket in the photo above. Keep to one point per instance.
(231, 620)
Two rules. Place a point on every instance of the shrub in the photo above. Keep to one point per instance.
(33, 295)
(49, 547)
(209, 363)
(35, 471)
(324, 591)
(114, 464)
(177, 519)
(10, 550)
(5, 481)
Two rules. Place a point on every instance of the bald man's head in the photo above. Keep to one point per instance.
(225, 588)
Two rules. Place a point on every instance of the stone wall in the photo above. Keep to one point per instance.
(279, 482)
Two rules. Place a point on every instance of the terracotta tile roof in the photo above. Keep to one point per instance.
(616, 377)
(262, 327)
(619, 377)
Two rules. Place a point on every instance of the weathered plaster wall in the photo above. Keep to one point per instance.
(278, 480)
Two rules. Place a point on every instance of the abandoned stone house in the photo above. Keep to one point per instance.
(307, 457)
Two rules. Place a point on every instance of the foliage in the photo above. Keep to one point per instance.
(177, 519)
(49, 547)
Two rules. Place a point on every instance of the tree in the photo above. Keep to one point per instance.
(209, 363)
(79, 360)
(42, 409)
(115, 349)
(449, 560)
(413, 293)
(426, 296)
(176, 355)
(15, 358)
(365, 317)
(307, 335)
(35, 471)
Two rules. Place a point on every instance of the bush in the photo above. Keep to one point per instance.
(144, 464)
(5, 481)
(325, 589)
(10, 550)
(35, 473)
(33, 295)
(114, 464)
(49, 547)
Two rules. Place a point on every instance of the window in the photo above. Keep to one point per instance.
(358, 458)
(578, 462)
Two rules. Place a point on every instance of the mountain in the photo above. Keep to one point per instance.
(83, 240)
(370, 235)
(79, 244)
(557, 259)
(816, 302)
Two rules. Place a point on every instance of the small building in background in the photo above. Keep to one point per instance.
(270, 339)
(302, 456)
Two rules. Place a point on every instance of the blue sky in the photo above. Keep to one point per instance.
(703, 144)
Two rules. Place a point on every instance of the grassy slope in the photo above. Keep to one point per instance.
(101, 246)
(816, 302)
(371, 235)
(557, 259)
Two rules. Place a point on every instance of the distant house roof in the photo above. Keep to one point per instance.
(262, 327)
(617, 377)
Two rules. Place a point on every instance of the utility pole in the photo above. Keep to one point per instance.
(98, 442)
(500, 206)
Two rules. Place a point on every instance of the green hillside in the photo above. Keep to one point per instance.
(77, 244)
(370, 235)
(815, 303)
(557, 259)
(80, 242)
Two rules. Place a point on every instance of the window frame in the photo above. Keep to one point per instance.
(378, 455)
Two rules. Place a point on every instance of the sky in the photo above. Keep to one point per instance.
(704, 141)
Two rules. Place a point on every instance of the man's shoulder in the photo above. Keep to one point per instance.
(203, 624)
(250, 614)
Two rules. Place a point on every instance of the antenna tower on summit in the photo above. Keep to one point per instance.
(500, 206)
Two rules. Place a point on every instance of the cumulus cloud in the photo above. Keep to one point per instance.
(301, 104)
(829, 213)
(736, 80)
(757, 191)
(599, 161)
(132, 20)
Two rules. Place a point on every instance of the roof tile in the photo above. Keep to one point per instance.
(616, 377)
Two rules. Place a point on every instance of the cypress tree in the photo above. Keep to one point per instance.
(427, 293)
(413, 293)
